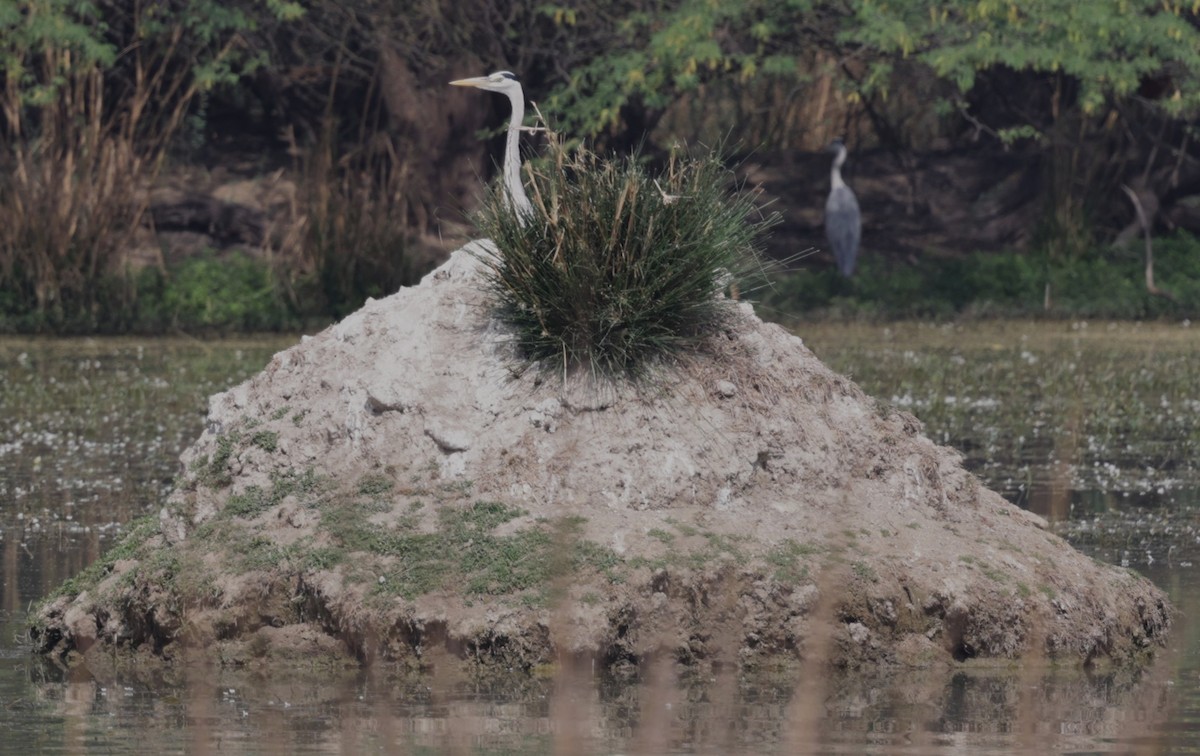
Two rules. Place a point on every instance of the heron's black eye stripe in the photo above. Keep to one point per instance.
(508, 75)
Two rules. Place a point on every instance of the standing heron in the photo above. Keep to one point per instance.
(843, 221)
(505, 82)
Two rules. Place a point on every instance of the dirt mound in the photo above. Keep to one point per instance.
(397, 487)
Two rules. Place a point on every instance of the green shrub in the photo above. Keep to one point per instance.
(617, 269)
(1105, 283)
(233, 292)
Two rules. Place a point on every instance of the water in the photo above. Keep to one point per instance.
(1091, 425)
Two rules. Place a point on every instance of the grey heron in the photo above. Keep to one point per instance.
(843, 221)
(506, 83)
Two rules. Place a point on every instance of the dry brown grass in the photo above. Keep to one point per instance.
(69, 204)
(83, 147)
(347, 233)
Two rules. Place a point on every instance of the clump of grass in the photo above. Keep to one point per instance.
(214, 472)
(618, 268)
(375, 485)
(788, 557)
(255, 500)
(251, 502)
(266, 440)
(661, 535)
(865, 571)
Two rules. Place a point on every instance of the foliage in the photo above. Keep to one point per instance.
(64, 222)
(1102, 85)
(618, 268)
(1108, 284)
(1107, 47)
(98, 94)
(212, 293)
(658, 50)
(202, 294)
(229, 293)
(152, 59)
(1098, 81)
(93, 95)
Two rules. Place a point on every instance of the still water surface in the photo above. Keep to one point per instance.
(1096, 426)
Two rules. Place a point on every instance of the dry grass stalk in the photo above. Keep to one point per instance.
(349, 235)
(72, 182)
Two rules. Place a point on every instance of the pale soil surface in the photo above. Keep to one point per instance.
(398, 488)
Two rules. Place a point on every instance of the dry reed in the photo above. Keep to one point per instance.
(85, 137)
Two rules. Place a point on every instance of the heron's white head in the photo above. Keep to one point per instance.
(501, 81)
(838, 148)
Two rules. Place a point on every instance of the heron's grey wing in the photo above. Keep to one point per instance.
(843, 227)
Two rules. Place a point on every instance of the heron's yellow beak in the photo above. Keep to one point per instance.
(473, 82)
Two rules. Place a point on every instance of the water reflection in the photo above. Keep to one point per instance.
(204, 709)
(117, 413)
(201, 710)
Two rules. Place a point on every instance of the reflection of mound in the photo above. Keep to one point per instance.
(395, 487)
(898, 711)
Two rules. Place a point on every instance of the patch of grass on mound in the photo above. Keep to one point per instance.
(618, 268)
(129, 547)
(255, 500)
(463, 554)
(788, 557)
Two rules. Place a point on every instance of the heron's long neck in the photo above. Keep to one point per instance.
(512, 157)
(835, 173)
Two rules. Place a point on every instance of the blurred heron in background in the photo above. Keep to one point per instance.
(843, 221)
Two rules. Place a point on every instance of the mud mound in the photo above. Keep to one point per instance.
(396, 487)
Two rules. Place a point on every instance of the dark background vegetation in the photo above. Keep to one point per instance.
(263, 164)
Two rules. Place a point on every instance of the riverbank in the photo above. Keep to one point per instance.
(236, 292)
(1103, 284)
